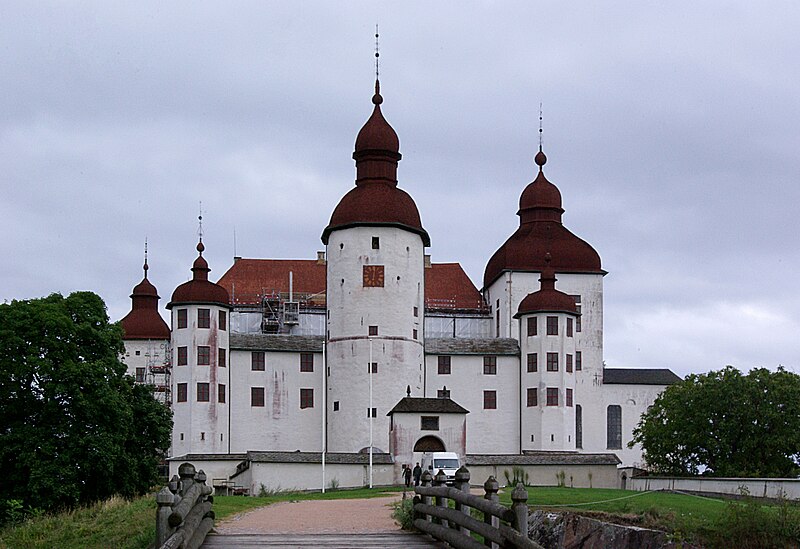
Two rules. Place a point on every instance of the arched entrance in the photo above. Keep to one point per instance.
(429, 443)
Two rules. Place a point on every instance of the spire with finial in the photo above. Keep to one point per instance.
(145, 267)
(540, 158)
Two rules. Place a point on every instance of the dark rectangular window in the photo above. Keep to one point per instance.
(444, 365)
(257, 396)
(578, 426)
(416, 311)
(140, 375)
(376, 243)
(335, 405)
(443, 393)
(552, 396)
(183, 356)
(306, 362)
(490, 365)
(578, 365)
(533, 362)
(552, 362)
(552, 325)
(614, 427)
(533, 326)
(569, 327)
(372, 368)
(203, 318)
(373, 330)
(374, 412)
(306, 398)
(414, 333)
(577, 299)
(569, 364)
(257, 362)
(203, 392)
(429, 423)
(182, 318)
(223, 320)
(182, 392)
(490, 400)
(569, 397)
(203, 355)
(221, 394)
(533, 397)
(222, 358)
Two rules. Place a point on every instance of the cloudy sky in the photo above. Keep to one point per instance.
(671, 128)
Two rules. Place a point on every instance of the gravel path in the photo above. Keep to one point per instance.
(354, 516)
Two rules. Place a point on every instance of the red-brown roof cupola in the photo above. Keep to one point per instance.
(199, 289)
(547, 299)
(376, 200)
(541, 231)
(144, 322)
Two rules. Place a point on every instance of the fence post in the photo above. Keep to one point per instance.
(440, 480)
(187, 472)
(519, 497)
(491, 486)
(174, 484)
(462, 484)
(164, 500)
(427, 479)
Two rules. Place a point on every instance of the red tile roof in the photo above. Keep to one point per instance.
(447, 286)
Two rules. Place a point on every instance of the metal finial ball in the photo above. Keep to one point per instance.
(377, 54)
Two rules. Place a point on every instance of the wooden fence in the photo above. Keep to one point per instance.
(184, 515)
(499, 525)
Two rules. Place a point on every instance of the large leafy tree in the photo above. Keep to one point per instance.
(726, 424)
(73, 427)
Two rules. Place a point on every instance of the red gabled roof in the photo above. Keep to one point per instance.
(447, 286)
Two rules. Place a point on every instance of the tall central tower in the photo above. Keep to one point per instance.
(375, 294)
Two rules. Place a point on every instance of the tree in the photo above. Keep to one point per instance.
(725, 424)
(73, 427)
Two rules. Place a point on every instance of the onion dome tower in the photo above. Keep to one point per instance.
(201, 376)
(548, 349)
(143, 321)
(375, 293)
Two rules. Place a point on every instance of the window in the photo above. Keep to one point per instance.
(223, 320)
(222, 358)
(429, 423)
(335, 405)
(203, 392)
(257, 362)
(614, 427)
(552, 396)
(569, 327)
(221, 394)
(569, 397)
(182, 318)
(374, 412)
(203, 318)
(376, 243)
(552, 325)
(183, 392)
(552, 362)
(414, 333)
(533, 362)
(372, 368)
(138, 353)
(490, 400)
(490, 365)
(578, 365)
(183, 356)
(373, 330)
(306, 398)
(140, 375)
(497, 319)
(203, 355)
(257, 396)
(578, 426)
(443, 393)
(416, 311)
(577, 299)
(569, 364)
(533, 397)
(533, 326)
(306, 362)
(444, 365)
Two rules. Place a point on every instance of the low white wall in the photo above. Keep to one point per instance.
(308, 476)
(758, 487)
(575, 476)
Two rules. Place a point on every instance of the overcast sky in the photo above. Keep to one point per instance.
(671, 128)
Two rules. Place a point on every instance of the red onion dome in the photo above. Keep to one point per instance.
(143, 321)
(547, 298)
(200, 289)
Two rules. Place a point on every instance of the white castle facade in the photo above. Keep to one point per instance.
(370, 345)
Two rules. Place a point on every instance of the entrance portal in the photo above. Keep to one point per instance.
(429, 443)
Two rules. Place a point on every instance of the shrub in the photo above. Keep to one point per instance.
(403, 513)
(516, 476)
(747, 523)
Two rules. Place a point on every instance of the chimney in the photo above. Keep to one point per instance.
(320, 258)
(427, 261)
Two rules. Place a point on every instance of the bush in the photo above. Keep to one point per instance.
(403, 513)
(517, 475)
(747, 523)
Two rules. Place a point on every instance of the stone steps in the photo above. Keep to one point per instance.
(344, 541)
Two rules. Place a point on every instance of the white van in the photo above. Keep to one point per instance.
(446, 461)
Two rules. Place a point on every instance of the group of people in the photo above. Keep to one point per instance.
(408, 473)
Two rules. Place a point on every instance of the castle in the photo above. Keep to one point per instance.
(370, 354)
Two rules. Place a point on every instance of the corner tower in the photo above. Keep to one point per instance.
(375, 293)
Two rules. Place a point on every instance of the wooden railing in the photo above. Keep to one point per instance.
(499, 527)
(184, 515)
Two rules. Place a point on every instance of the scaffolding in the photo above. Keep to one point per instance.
(159, 371)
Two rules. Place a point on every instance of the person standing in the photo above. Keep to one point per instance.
(407, 475)
(417, 474)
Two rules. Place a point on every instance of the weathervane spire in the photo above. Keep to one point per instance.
(540, 127)
(145, 267)
(377, 54)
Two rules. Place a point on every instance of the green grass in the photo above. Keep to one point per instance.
(121, 524)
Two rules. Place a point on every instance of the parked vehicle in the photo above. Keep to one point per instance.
(445, 461)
